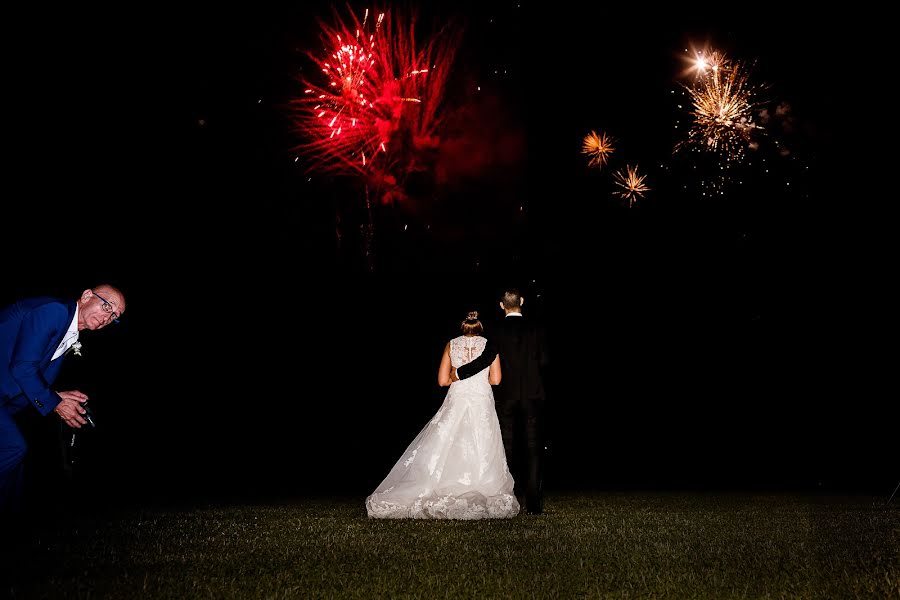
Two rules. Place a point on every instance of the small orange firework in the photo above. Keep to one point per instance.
(598, 147)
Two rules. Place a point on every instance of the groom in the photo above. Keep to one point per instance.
(520, 396)
(35, 335)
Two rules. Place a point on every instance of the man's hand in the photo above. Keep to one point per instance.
(70, 409)
(453, 376)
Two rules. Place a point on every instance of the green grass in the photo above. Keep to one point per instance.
(619, 545)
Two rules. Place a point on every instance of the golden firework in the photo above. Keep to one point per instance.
(632, 184)
(722, 104)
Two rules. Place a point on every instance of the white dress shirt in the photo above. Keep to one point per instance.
(70, 338)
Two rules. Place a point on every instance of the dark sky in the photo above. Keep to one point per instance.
(697, 341)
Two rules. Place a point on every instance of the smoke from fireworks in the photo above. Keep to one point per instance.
(374, 108)
(632, 184)
(598, 147)
(722, 105)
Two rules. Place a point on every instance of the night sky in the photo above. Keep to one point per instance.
(698, 340)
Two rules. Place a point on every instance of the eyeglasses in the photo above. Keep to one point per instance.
(108, 308)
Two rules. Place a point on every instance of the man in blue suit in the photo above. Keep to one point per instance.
(35, 335)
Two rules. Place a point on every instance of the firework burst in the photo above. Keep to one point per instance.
(598, 147)
(722, 105)
(632, 184)
(374, 100)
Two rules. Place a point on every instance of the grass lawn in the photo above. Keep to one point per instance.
(589, 544)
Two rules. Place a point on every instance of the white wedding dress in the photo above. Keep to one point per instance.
(456, 467)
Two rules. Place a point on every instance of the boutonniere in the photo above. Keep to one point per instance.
(76, 348)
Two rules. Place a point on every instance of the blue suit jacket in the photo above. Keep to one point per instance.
(30, 332)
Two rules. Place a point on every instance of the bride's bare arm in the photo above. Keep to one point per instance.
(444, 369)
(495, 374)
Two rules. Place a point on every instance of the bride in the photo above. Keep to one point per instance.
(456, 467)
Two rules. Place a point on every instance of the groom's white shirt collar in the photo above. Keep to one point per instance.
(70, 338)
(514, 314)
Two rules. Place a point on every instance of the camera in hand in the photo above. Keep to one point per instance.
(73, 442)
(88, 416)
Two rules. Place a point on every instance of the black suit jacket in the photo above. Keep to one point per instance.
(523, 356)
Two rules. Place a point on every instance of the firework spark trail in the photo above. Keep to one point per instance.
(632, 184)
(598, 147)
(341, 113)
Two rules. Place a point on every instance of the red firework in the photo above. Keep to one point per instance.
(375, 100)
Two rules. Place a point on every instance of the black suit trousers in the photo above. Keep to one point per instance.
(523, 441)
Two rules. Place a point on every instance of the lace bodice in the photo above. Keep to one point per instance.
(465, 349)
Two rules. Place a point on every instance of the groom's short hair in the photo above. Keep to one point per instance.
(511, 299)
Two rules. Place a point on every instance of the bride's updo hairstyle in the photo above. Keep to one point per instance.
(472, 326)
